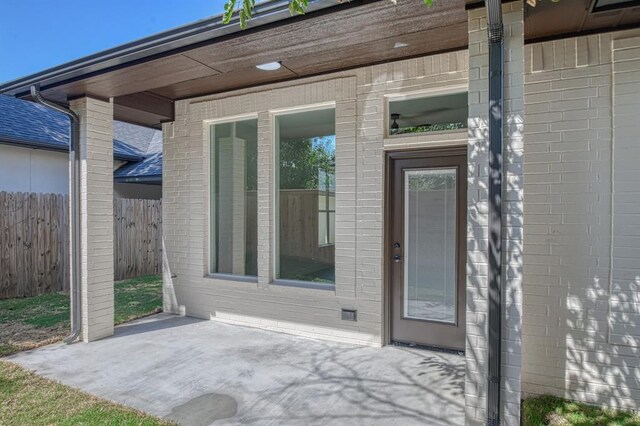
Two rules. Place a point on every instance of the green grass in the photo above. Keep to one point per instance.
(137, 297)
(47, 310)
(34, 321)
(554, 411)
(28, 399)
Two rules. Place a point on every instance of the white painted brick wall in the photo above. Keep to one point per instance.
(96, 211)
(573, 324)
(477, 230)
(359, 96)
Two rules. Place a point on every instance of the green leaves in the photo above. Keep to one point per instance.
(298, 7)
(245, 10)
(229, 8)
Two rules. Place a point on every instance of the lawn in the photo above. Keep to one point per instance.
(554, 411)
(35, 321)
(28, 399)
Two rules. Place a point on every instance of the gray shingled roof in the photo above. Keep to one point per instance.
(32, 125)
(147, 170)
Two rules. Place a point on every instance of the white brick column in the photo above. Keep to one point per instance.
(96, 212)
(477, 223)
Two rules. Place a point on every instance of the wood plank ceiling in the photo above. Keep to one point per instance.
(345, 36)
(339, 38)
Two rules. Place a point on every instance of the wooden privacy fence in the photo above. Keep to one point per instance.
(34, 235)
(137, 237)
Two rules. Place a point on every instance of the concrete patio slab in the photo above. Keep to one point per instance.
(201, 372)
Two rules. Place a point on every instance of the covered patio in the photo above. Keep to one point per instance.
(197, 372)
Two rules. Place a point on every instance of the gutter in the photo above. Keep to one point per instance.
(149, 179)
(496, 97)
(8, 140)
(127, 157)
(74, 216)
(160, 45)
(23, 143)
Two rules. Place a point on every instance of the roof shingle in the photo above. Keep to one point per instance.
(34, 125)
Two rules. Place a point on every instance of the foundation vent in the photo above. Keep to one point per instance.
(349, 315)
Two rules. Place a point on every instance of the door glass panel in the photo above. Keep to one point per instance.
(430, 244)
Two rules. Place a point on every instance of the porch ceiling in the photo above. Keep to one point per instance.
(338, 37)
(146, 76)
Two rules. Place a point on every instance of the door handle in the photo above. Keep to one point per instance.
(396, 257)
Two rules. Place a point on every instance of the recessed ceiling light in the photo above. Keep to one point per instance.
(269, 66)
(400, 44)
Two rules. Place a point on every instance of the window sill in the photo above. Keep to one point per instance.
(326, 245)
(231, 277)
(304, 284)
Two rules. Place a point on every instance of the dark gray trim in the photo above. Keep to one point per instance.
(494, 318)
(127, 157)
(477, 4)
(7, 140)
(157, 46)
(151, 179)
(304, 284)
(608, 8)
(231, 277)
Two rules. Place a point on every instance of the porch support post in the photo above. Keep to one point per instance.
(478, 231)
(96, 213)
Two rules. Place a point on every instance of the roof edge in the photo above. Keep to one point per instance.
(128, 157)
(155, 46)
(24, 143)
(149, 179)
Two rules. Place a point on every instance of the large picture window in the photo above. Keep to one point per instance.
(305, 184)
(234, 160)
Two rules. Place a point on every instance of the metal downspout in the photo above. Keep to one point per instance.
(74, 217)
(496, 85)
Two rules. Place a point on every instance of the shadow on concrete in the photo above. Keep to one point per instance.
(154, 323)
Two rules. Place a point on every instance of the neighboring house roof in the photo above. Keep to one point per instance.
(32, 125)
(149, 170)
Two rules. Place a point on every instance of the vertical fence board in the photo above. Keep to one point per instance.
(34, 242)
(137, 237)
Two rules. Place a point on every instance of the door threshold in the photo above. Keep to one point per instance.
(427, 348)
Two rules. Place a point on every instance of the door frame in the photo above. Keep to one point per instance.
(390, 156)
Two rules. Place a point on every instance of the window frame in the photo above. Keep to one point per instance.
(275, 196)
(326, 194)
(208, 131)
(419, 94)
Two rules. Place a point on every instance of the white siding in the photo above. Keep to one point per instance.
(33, 170)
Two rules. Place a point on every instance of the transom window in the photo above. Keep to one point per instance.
(428, 114)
